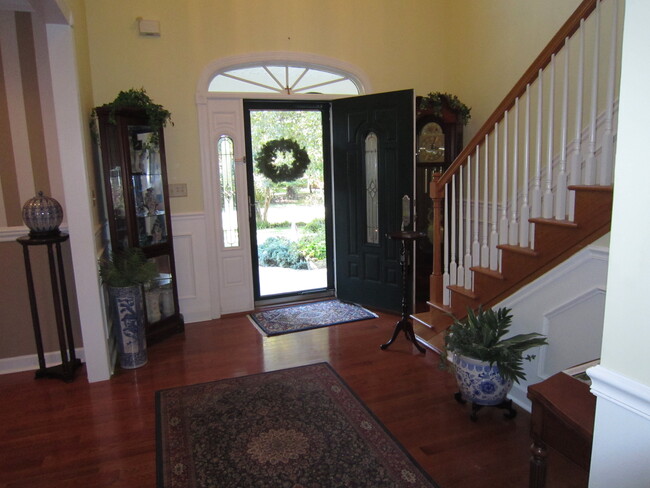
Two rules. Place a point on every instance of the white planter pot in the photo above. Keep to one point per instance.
(479, 382)
(129, 325)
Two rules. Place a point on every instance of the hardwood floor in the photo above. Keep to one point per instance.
(55, 434)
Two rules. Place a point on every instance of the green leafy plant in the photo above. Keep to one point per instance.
(481, 335)
(434, 101)
(157, 116)
(128, 267)
(313, 244)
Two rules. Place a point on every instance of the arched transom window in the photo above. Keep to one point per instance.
(285, 78)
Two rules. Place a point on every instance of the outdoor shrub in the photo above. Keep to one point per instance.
(281, 252)
(261, 224)
(312, 244)
(313, 247)
(316, 225)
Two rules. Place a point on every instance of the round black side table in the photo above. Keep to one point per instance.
(69, 362)
(404, 324)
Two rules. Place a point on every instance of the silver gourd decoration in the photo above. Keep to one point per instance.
(43, 215)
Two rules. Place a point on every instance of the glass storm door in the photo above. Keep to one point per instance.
(287, 145)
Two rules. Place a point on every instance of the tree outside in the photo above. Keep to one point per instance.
(290, 214)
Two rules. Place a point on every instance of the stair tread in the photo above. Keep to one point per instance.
(518, 249)
(487, 272)
(595, 188)
(559, 223)
(432, 339)
(463, 291)
(440, 307)
(424, 318)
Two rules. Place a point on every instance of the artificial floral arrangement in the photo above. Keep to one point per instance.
(434, 101)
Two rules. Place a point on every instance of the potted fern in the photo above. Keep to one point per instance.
(125, 273)
(486, 363)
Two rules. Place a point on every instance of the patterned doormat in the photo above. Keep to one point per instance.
(300, 427)
(308, 316)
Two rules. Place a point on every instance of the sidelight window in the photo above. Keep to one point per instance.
(228, 187)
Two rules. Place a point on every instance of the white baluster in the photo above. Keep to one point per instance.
(536, 194)
(607, 148)
(524, 224)
(494, 234)
(503, 223)
(453, 264)
(575, 158)
(446, 294)
(460, 280)
(589, 177)
(476, 245)
(513, 234)
(468, 221)
(547, 198)
(485, 249)
(561, 186)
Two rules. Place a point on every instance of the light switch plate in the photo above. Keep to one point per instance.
(178, 190)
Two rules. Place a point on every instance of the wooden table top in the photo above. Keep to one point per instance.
(569, 399)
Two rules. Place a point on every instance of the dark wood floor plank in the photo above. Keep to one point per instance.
(55, 434)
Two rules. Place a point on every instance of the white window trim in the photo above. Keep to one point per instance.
(303, 59)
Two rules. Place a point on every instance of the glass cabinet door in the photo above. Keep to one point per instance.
(159, 295)
(147, 180)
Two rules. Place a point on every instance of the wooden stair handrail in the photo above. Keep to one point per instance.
(544, 58)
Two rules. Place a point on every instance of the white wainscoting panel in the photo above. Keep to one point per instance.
(580, 321)
(190, 252)
(567, 304)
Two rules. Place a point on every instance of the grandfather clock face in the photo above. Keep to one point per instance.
(431, 144)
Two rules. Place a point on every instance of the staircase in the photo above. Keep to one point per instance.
(535, 183)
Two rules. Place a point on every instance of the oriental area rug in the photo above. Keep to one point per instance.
(312, 315)
(296, 428)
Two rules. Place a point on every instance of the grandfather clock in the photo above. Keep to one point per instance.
(439, 139)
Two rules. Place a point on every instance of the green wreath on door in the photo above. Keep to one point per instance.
(286, 172)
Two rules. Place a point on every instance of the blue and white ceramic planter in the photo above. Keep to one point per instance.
(129, 325)
(479, 382)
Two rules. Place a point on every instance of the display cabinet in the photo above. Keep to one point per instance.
(135, 180)
(439, 139)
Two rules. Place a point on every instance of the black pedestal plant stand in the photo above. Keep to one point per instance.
(505, 405)
(69, 362)
(404, 324)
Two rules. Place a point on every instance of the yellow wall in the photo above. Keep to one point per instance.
(495, 41)
(473, 48)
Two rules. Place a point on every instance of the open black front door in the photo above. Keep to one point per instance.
(373, 141)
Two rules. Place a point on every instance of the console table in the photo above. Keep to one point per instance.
(69, 362)
(562, 417)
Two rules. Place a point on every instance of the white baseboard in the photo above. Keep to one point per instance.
(29, 362)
